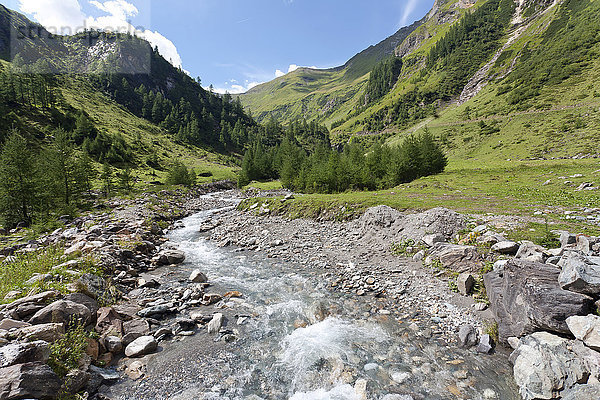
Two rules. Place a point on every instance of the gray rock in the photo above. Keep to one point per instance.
(431, 240)
(46, 332)
(38, 278)
(467, 336)
(141, 346)
(21, 353)
(7, 324)
(185, 324)
(91, 285)
(419, 256)
(155, 311)
(583, 245)
(384, 220)
(39, 299)
(62, 311)
(586, 329)
(457, 257)
(544, 365)
(28, 381)
(198, 276)
(75, 381)
(105, 374)
(579, 274)
(506, 247)
(168, 257)
(163, 333)
(214, 326)
(465, 283)
(582, 392)
(397, 397)
(499, 266)
(525, 297)
(530, 251)
(486, 344)
(113, 344)
(567, 239)
(135, 329)
(87, 301)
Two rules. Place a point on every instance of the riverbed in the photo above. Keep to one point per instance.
(291, 337)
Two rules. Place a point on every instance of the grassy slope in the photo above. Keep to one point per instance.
(110, 117)
(324, 95)
(305, 93)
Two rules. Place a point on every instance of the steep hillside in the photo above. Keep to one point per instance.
(500, 78)
(121, 101)
(321, 95)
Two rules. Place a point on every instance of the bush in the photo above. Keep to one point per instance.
(179, 174)
(67, 351)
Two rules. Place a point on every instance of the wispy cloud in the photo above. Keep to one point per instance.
(407, 13)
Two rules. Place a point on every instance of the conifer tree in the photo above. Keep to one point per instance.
(17, 181)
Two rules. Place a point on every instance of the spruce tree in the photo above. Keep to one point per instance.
(17, 181)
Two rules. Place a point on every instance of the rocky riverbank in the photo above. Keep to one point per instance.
(541, 298)
(105, 300)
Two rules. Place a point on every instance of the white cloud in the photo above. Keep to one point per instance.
(408, 10)
(279, 73)
(255, 79)
(235, 88)
(117, 8)
(56, 15)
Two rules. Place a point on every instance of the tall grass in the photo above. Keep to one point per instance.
(15, 271)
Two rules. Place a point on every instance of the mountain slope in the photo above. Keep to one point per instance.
(493, 79)
(321, 95)
(119, 99)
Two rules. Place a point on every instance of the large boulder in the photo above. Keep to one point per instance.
(525, 297)
(141, 346)
(580, 274)
(586, 329)
(385, 223)
(27, 306)
(21, 353)
(581, 392)
(506, 247)
(168, 257)
(62, 311)
(545, 365)
(46, 332)
(86, 300)
(531, 252)
(28, 381)
(135, 329)
(456, 257)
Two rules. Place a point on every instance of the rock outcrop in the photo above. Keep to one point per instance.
(525, 297)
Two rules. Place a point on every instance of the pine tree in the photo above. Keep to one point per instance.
(125, 177)
(17, 181)
(107, 177)
(62, 166)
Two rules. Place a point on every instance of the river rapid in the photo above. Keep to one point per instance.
(295, 339)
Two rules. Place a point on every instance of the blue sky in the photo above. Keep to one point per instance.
(235, 44)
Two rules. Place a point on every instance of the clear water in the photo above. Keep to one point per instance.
(304, 342)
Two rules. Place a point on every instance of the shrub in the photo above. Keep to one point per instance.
(179, 174)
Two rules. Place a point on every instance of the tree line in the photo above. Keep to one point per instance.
(38, 183)
(327, 170)
(455, 58)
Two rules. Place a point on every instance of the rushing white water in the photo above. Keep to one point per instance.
(303, 342)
